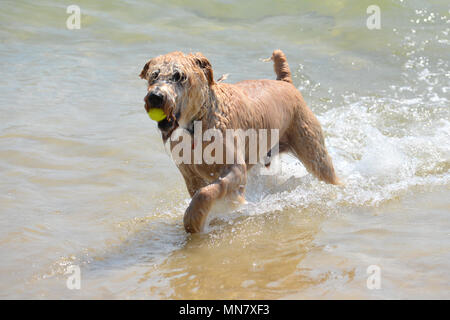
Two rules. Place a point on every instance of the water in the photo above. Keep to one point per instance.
(85, 179)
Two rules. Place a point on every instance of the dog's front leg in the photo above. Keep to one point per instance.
(232, 180)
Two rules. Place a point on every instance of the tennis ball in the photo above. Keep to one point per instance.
(156, 114)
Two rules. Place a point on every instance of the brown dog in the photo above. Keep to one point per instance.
(184, 87)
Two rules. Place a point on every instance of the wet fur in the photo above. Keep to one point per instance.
(256, 104)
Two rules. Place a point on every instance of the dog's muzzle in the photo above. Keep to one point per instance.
(154, 99)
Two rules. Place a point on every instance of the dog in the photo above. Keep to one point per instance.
(183, 86)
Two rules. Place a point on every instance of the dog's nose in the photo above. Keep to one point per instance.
(155, 99)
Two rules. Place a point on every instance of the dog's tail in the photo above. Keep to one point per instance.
(281, 66)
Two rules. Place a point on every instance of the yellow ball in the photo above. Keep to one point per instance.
(156, 114)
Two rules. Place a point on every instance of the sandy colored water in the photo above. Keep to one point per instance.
(86, 181)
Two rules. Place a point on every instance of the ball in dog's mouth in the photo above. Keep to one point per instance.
(157, 114)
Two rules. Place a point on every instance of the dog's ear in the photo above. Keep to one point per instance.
(205, 65)
(143, 74)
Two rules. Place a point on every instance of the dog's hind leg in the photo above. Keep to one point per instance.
(307, 143)
(232, 180)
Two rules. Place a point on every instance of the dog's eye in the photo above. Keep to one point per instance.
(178, 76)
(154, 75)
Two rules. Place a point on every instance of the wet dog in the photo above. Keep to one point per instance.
(183, 86)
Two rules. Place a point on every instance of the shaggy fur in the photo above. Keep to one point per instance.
(188, 93)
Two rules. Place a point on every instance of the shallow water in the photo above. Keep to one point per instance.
(85, 179)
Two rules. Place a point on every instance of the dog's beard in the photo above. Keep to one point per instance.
(167, 126)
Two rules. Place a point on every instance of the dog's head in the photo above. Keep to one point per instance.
(179, 84)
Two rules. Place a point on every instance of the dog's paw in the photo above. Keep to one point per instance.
(195, 215)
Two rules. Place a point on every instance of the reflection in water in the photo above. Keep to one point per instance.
(256, 257)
